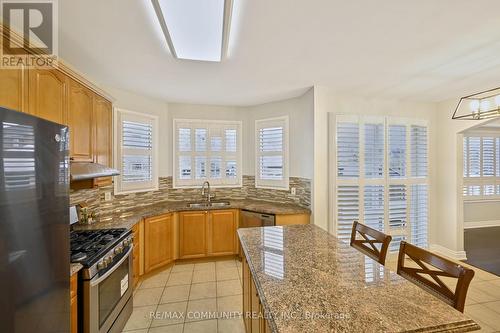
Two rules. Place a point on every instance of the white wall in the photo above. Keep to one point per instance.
(327, 105)
(133, 102)
(301, 127)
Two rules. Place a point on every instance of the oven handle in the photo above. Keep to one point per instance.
(108, 273)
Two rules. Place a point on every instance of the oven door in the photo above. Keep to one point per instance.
(106, 295)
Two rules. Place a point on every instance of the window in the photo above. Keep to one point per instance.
(136, 158)
(207, 150)
(271, 154)
(381, 177)
(481, 158)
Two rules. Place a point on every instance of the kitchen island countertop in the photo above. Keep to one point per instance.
(310, 281)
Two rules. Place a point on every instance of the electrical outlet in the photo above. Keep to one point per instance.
(293, 191)
(107, 196)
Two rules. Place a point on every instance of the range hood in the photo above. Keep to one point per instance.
(87, 170)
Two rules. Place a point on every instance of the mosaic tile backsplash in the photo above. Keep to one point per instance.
(94, 198)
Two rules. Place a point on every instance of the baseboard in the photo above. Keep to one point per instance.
(481, 224)
(444, 251)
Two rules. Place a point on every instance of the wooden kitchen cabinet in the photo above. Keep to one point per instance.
(192, 234)
(292, 219)
(253, 311)
(103, 115)
(73, 282)
(80, 122)
(13, 89)
(158, 241)
(48, 94)
(222, 238)
(247, 299)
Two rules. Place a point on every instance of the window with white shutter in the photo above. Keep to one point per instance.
(207, 150)
(271, 143)
(382, 177)
(481, 166)
(136, 152)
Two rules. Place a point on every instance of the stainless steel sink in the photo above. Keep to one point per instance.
(207, 205)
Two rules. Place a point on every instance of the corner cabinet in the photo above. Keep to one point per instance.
(158, 241)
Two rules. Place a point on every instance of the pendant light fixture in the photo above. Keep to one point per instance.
(483, 105)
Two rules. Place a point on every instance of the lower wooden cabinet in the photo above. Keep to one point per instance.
(158, 241)
(222, 236)
(207, 233)
(192, 234)
(253, 312)
(291, 219)
(74, 302)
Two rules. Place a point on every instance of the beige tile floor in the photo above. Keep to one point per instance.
(194, 290)
(216, 287)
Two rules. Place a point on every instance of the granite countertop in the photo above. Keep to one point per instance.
(127, 219)
(74, 268)
(310, 281)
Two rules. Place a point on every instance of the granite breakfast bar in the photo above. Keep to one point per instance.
(306, 280)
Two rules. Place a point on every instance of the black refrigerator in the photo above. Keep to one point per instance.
(34, 227)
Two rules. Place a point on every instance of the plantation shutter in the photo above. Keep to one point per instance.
(271, 153)
(347, 209)
(207, 151)
(136, 157)
(382, 184)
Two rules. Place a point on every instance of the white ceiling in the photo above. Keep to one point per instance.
(424, 50)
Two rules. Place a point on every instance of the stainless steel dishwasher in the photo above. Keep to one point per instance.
(250, 219)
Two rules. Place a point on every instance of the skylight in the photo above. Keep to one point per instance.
(195, 29)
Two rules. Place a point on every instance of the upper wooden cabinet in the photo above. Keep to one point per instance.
(48, 94)
(13, 86)
(80, 122)
(192, 234)
(222, 232)
(103, 141)
(158, 241)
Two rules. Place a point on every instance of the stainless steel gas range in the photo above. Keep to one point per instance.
(105, 282)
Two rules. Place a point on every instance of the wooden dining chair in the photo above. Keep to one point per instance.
(430, 268)
(369, 240)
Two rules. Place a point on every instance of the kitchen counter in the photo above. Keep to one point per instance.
(310, 281)
(128, 218)
(74, 268)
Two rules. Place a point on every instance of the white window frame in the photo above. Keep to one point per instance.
(481, 181)
(203, 123)
(266, 183)
(119, 186)
(361, 181)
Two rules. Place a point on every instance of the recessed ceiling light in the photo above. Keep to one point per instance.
(195, 29)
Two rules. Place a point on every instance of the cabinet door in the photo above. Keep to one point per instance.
(222, 232)
(81, 103)
(48, 94)
(255, 308)
(158, 242)
(103, 136)
(136, 252)
(13, 89)
(192, 235)
(247, 296)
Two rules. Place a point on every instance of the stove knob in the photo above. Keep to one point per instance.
(103, 264)
(118, 249)
(126, 242)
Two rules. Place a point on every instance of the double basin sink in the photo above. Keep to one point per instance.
(206, 204)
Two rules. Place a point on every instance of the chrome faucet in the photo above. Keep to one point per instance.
(207, 195)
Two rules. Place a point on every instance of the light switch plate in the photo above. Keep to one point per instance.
(107, 196)
(293, 191)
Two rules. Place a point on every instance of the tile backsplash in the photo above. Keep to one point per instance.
(94, 198)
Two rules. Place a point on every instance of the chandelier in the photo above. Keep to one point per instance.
(483, 105)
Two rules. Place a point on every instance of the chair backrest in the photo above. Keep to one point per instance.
(367, 243)
(433, 266)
